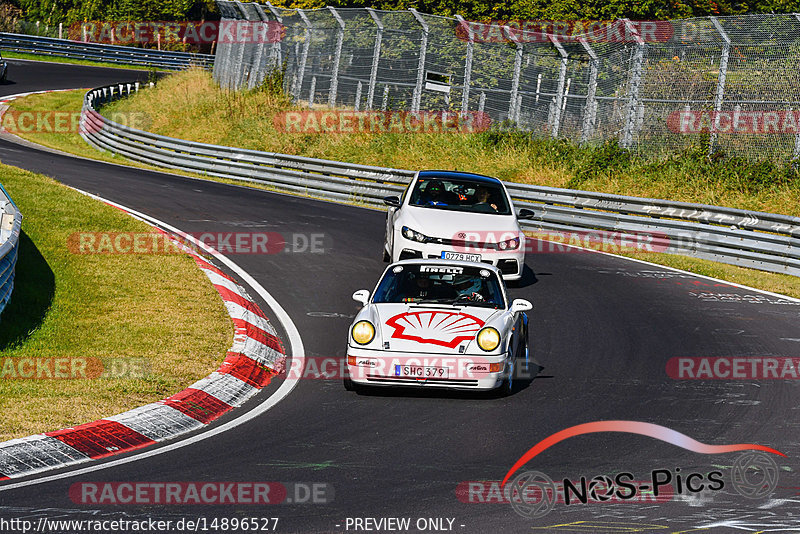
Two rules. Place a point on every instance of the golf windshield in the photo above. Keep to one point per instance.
(460, 195)
(444, 284)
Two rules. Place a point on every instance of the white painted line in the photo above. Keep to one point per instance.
(297, 352)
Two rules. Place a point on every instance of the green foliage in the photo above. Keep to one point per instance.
(51, 12)
(565, 10)
(601, 161)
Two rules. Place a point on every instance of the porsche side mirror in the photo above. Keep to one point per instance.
(361, 296)
(521, 305)
(525, 213)
(392, 201)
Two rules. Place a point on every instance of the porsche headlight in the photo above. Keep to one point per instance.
(363, 332)
(413, 235)
(488, 339)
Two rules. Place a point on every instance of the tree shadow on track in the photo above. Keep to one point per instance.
(34, 287)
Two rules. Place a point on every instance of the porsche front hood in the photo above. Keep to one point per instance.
(430, 329)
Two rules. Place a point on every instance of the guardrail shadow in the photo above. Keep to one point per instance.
(34, 287)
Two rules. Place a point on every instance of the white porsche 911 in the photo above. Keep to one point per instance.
(437, 323)
(456, 216)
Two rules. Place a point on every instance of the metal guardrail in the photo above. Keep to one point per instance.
(752, 239)
(127, 55)
(10, 227)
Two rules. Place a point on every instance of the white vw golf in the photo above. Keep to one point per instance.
(456, 216)
(437, 323)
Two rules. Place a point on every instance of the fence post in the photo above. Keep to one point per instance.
(633, 88)
(385, 103)
(359, 90)
(60, 29)
(720, 92)
(796, 155)
(239, 73)
(590, 111)
(260, 68)
(303, 56)
(562, 76)
(512, 98)
(275, 54)
(376, 55)
(423, 50)
(337, 57)
(467, 64)
(482, 102)
(312, 91)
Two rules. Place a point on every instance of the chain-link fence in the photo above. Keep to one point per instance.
(730, 83)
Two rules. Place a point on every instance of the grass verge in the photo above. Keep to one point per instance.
(188, 105)
(154, 320)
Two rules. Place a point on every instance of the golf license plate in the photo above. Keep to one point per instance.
(460, 256)
(420, 372)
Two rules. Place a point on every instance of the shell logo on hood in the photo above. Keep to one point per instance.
(446, 329)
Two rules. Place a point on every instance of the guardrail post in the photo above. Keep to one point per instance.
(633, 87)
(376, 55)
(275, 55)
(467, 64)
(720, 92)
(590, 110)
(512, 99)
(337, 57)
(304, 55)
(423, 50)
(559, 99)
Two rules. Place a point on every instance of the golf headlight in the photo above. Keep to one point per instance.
(413, 235)
(363, 332)
(510, 244)
(488, 339)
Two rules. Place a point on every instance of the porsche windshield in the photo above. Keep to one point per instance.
(443, 284)
(460, 195)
